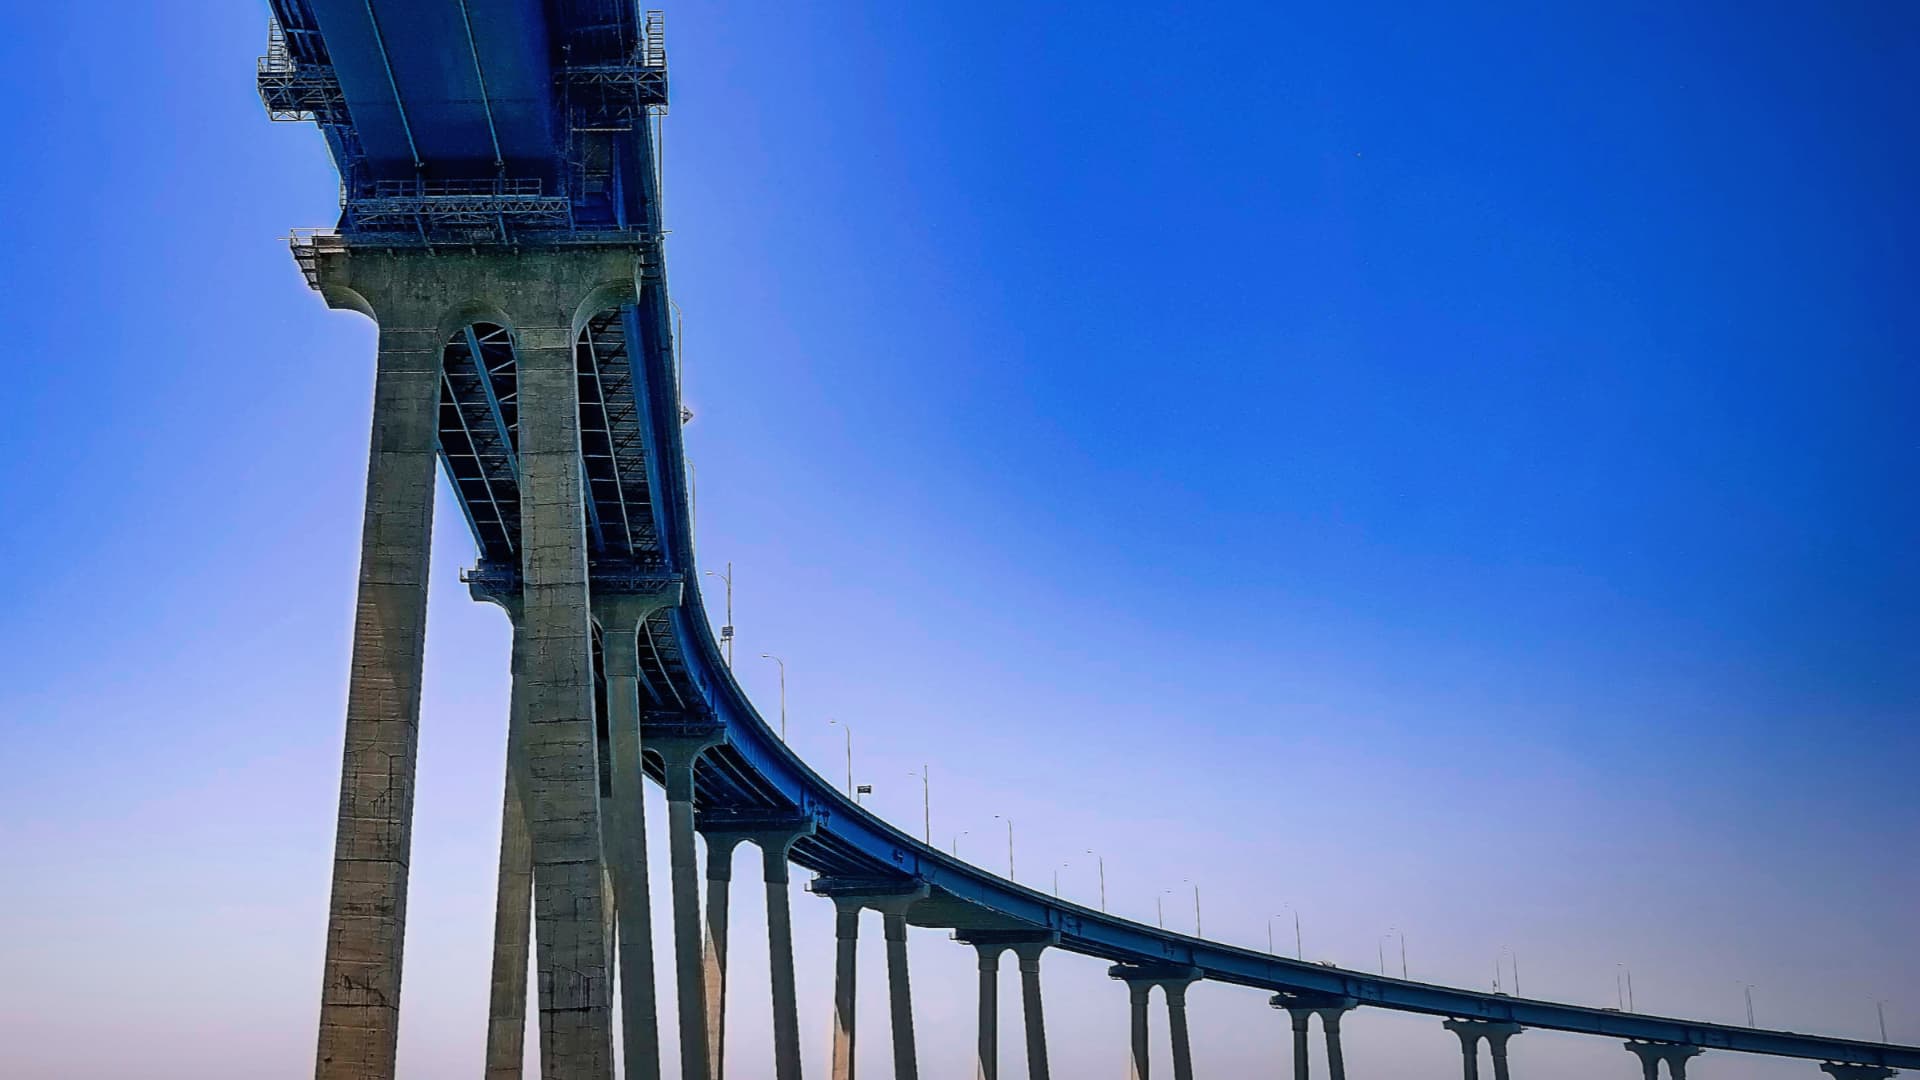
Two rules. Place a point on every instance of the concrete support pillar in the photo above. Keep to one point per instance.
(1469, 1048)
(367, 912)
(719, 886)
(987, 1044)
(513, 901)
(846, 934)
(775, 846)
(620, 613)
(1176, 994)
(1173, 982)
(1497, 1046)
(1139, 1052)
(563, 797)
(892, 898)
(906, 1064)
(1301, 1007)
(680, 752)
(1302, 1019)
(1495, 1032)
(1651, 1054)
(1330, 1028)
(420, 300)
(1031, 1009)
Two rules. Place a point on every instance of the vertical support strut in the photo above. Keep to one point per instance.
(513, 902)
(775, 846)
(680, 753)
(846, 941)
(1031, 1009)
(367, 912)
(719, 884)
(987, 1040)
(620, 614)
(563, 797)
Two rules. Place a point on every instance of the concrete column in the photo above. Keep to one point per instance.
(1497, 1045)
(846, 933)
(900, 992)
(719, 885)
(1139, 1052)
(774, 849)
(513, 902)
(620, 614)
(563, 796)
(1031, 1010)
(367, 913)
(1677, 1058)
(987, 1046)
(680, 752)
(1176, 993)
(1650, 1055)
(1301, 1018)
(1470, 1054)
(1330, 1028)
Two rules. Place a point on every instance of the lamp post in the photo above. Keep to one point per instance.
(1514, 959)
(726, 631)
(1102, 861)
(849, 730)
(1196, 905)
(1381, 948)
(1627, 1001)
(1749, 989)
(783, 691)
(1056, 878)
(1299, 953)
(926, 807)
(956, 842)
(1009, 822)
(1881, 1008)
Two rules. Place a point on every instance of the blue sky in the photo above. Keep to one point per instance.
(1441, 471)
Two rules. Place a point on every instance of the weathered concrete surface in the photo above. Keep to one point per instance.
(419, 300)
(774, 849)
(367, 913)
(563, 804)
(679, 754)
(720, 847)
(513, 902)
(620, 616)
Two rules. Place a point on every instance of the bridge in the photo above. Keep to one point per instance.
(500, 222)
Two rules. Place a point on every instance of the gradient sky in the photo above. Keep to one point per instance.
(1443, 471)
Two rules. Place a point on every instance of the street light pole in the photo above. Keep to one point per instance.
(1749, 989)
(1881, 1008)
(726, 631)
(1009, 822)
(849, 730)
(1056, 878)
(956, 842)
(1102, 860)
(783, 691)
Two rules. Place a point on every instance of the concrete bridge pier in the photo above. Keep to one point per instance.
(513, 900)
(892, 899)
(1651, 1054)
(680, 748)
(1496, 1033)
(775, 847)
(420, 300)
(1027, 946)
(1301, 1008)
(720, 848)
(1173, 983)
(620, 609)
